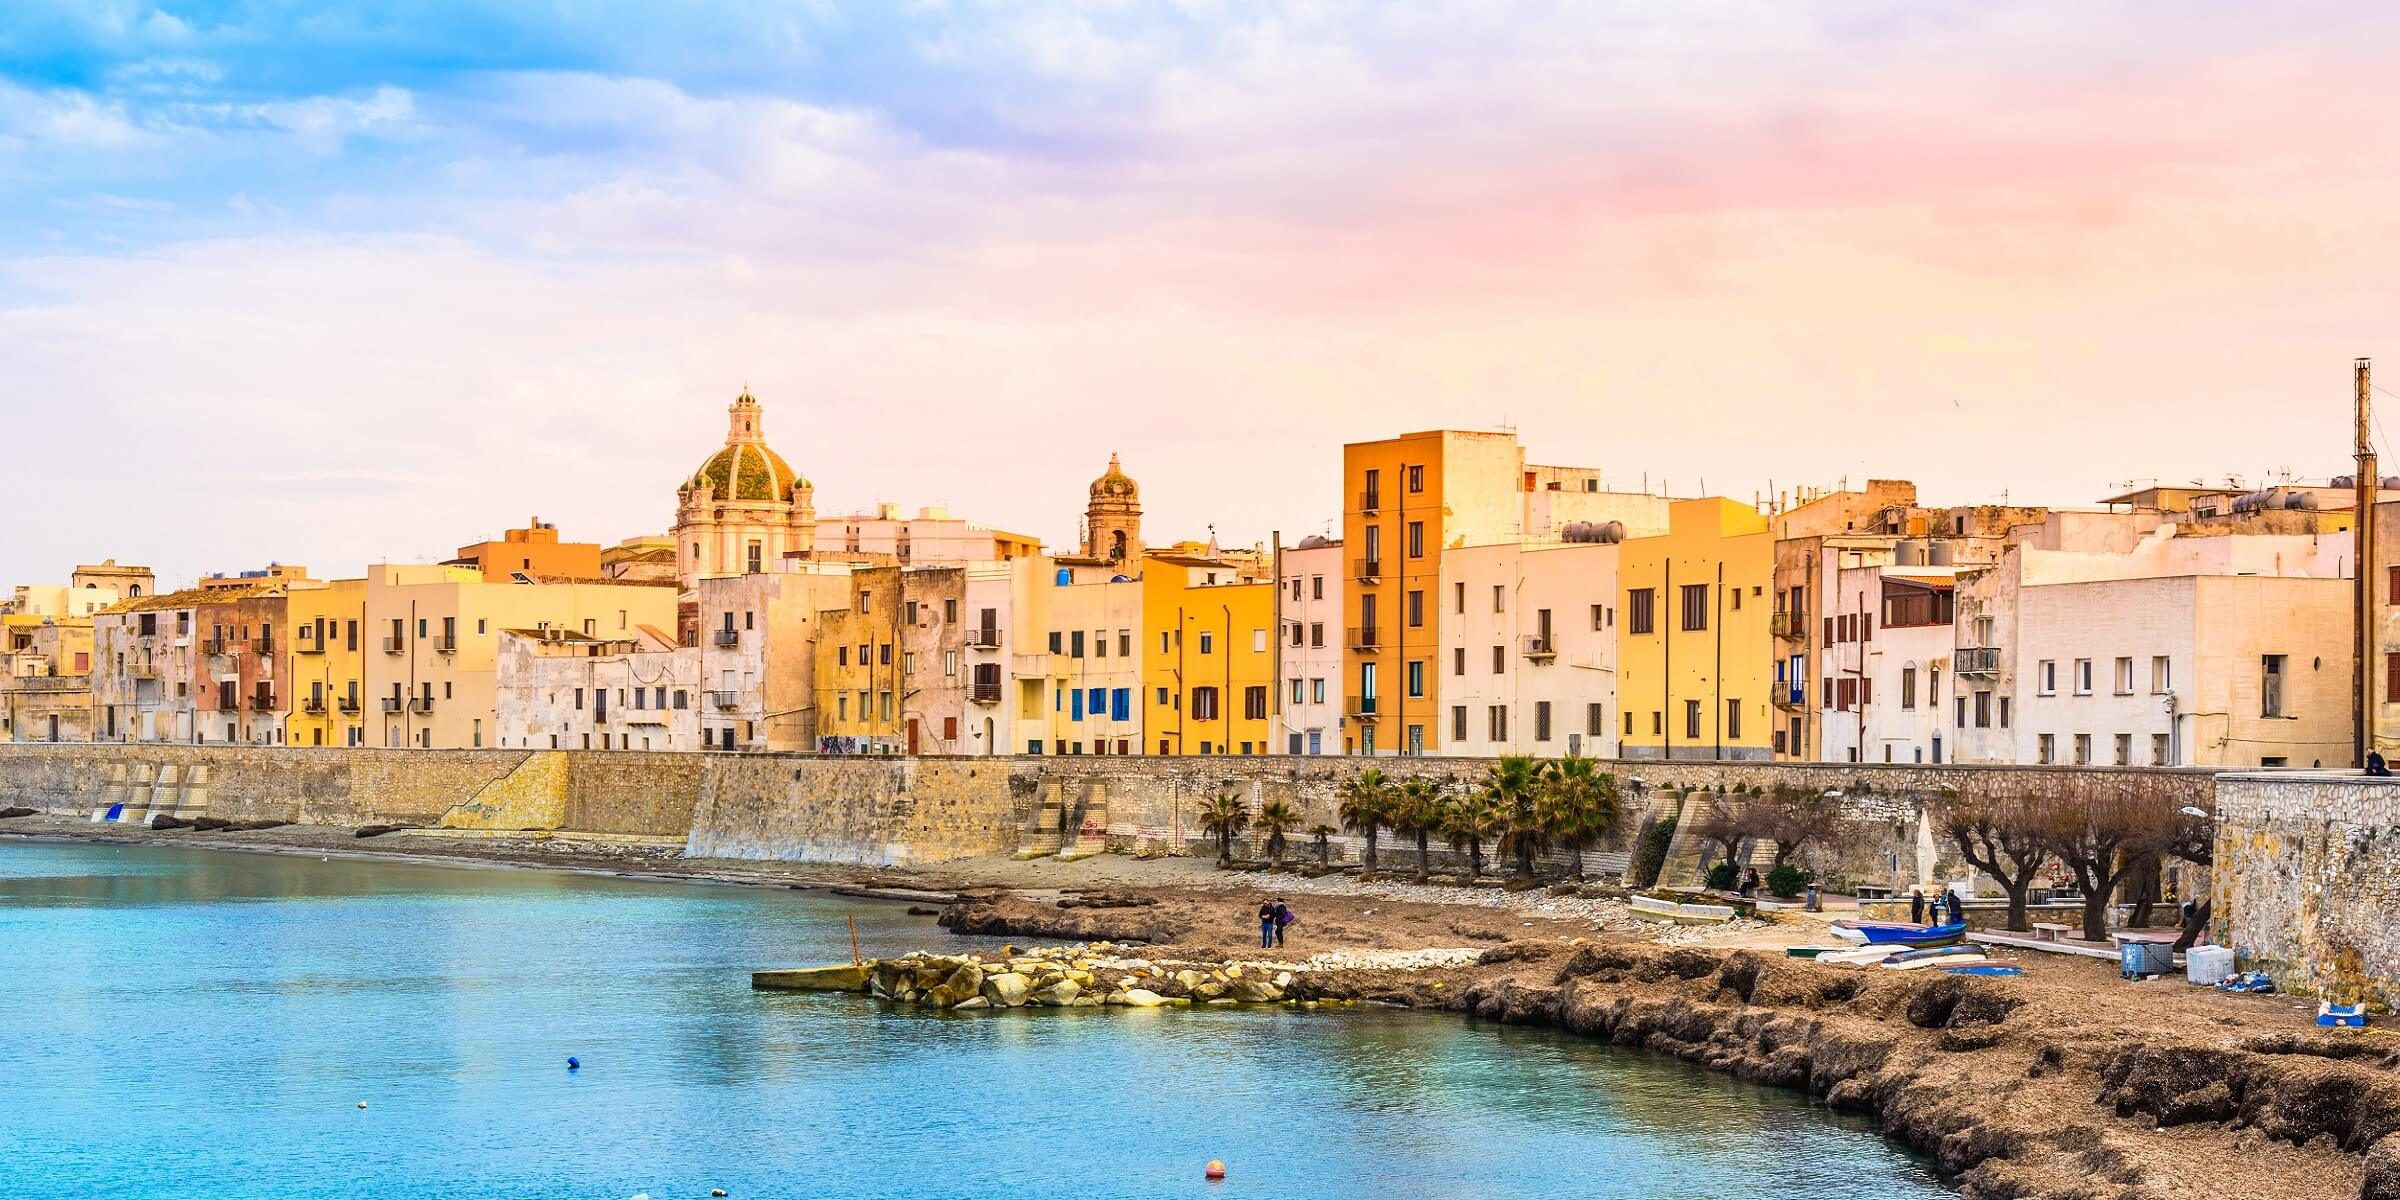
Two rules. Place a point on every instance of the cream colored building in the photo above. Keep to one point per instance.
(1529, 650)
(45, 678)
(1079, 632)
(432, 659)
(931, 536)
(2177, 651)
(745, 508)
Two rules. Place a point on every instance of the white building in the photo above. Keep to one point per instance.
(1528, 656)
(2227, 650)
(1886, 663)
(1311, 615)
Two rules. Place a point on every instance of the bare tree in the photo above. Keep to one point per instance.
(1793, 818)
(1999, 834)
(1724, 826)
(2103, 830)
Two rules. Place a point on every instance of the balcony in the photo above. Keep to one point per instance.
(1539, 648)
(445, 645)
(393, 704)
(724, 700)
(1366, 570)
(395, 645)
(1975, 660)
(1791, 699)
(308, 645)
(141, 668)
(262, 702)
(1365, 708)
(314, 706)
(984, 693)
(1370, 502)
(727, 637)
(263, 647)
(420, 704)
(348, 704)
(213, 646)
(1363, 637)
(983, 639)
(1791, 626)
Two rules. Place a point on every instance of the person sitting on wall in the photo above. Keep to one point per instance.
(2376, 765)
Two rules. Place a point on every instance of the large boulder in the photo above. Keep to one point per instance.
(1143, 998)
(1255, 991)
(964, 982)
(1006, 990)
(1058, 995)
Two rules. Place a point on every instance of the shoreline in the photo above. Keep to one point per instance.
(2063, 1083)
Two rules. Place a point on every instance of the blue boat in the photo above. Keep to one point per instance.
(1913, 935)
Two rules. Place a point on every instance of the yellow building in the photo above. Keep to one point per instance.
(1208, 658)
(328, 685)
(431, 644)
(1692, 635)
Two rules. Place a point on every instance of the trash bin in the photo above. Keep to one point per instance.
(2208, 966)
(2139, 959)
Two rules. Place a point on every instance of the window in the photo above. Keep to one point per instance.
(2003, 712)
(1258, 642)
(1296, 631)
(2270, 685)
(1416, 678)
(1208, 641)
(1416, 478)
(2124, 677)
(1496, 720)
(2083, 749)
(1416, 609)
(1597, 623)
(1100, 643)
(1058, 642)
(1983, 710)
(1499, 597)
(1316, 634)
(1691, 720)
(950, 614)
(910, 609)
(1416, 539)
(950, 663)
(2158, 750)
(2046, 750)
(1640, 610)
(883, 654)
(1595, 720)
(1316, 690)
(2391, 589)
(1961, 707)
(2124, 749)
(1163, 646)
(1499, 660)
(2083, 677)
(2162, 675)
(1908, 687)
(1162, 697)
(1695, 607)
(1733, 720)
(1298, 691)
(1075, 644)
(1458, 660)
(1458, 722)
(1204, 704)
(1254, 704)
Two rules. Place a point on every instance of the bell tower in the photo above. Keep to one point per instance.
(1112, 521)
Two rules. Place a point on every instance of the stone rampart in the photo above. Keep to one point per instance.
(2307, 879)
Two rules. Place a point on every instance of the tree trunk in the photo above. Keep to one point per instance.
(1524, 859)
(2144, 885)
(2018, 890)
(1424, 856)
(1368, 859)
(1576, 853)
(1475, 859)
(1225, 848)
(2095, 914)
(2193, 927)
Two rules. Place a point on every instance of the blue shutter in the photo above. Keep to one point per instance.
(1120, 706)
(1076, 704)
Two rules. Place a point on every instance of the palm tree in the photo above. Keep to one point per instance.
(1471, 819)
(1417, 812)
(1515, 784)
(1277, 818)
(1322, 836)
(1224, 816)
(1366, 801)
(1579, 803)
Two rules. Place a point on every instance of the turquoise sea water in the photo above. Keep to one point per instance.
(201, 1023)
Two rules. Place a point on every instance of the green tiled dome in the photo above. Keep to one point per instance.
(747, 472)
(1115, 484)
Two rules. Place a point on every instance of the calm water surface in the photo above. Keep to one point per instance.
(199, 1024)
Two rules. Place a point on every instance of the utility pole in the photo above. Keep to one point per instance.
(2363, 529)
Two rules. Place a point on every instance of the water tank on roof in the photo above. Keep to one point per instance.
(1065, 576)
(2342, 481)
(2300, 500)
(2391, 481)
(1601, 532)
(1313, 542)
(1120, 579)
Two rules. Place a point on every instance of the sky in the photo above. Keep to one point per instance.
(332, 283)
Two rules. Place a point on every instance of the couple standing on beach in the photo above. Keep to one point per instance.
(1273, 916)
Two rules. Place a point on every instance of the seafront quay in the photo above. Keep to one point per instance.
(2302, 888)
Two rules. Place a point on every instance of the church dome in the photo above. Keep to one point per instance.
(746, 469)
(1116, 484)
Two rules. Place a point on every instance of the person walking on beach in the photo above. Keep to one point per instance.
(1956, 907)
(1283, 919)
(1266, 923)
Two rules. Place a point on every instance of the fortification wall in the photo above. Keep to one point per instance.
(2307, 879)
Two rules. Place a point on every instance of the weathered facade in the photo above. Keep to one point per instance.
(2307, 879)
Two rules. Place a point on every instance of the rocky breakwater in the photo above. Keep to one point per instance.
(2019, 1090)
(1097, 917)
(1101, 975)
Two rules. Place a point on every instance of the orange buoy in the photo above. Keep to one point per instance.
(1216, 1169)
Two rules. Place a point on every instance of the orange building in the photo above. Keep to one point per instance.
(534, 552)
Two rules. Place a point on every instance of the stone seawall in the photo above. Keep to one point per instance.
(2307, 879)
(877, 811)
